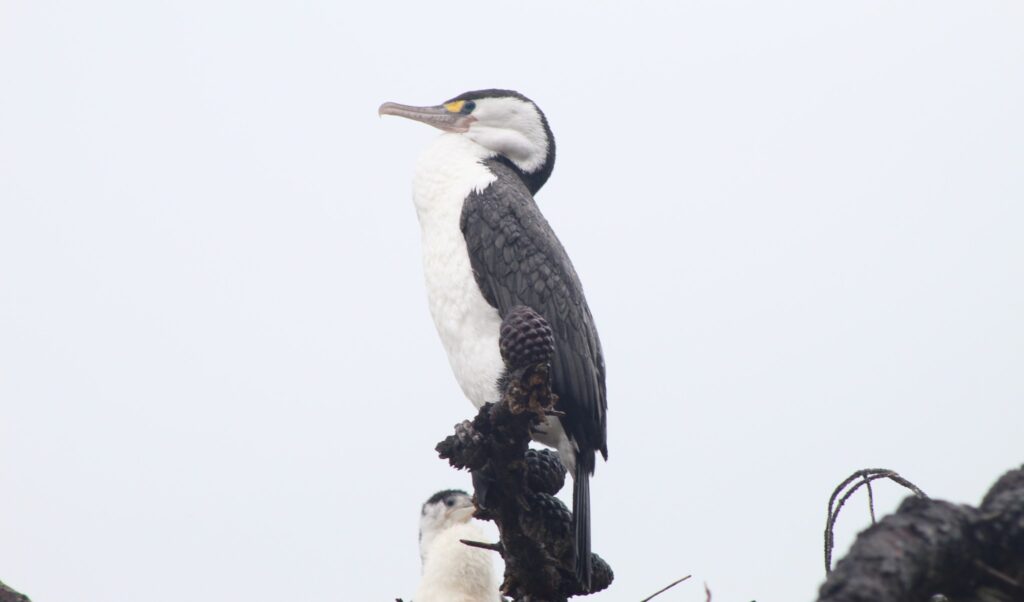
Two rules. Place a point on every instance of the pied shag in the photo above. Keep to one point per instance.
(453, 571)
(486, 249)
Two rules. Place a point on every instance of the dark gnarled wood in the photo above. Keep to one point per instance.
(931, 550)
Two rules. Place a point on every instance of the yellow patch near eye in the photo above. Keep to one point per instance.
(455, 107)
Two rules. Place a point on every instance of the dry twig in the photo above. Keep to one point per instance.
(666, 588)
(494, 547)
(865, 477)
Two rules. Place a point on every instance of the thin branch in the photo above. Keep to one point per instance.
(494, 547)
(666, 588)
(861, 477)
(871, 502)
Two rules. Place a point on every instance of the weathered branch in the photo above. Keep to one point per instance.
(9, 595)
(665, 589)
(515, 486)
(861, 477)
(935, 550)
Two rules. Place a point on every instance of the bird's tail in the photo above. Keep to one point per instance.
(581, 518)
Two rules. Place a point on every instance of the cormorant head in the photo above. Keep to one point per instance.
(443, 510)
(505, 122)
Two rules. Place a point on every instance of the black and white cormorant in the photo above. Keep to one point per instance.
(487, 249)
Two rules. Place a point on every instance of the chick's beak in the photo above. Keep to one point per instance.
(462, 514)
(438, 116)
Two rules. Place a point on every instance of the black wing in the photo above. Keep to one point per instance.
(518, 260)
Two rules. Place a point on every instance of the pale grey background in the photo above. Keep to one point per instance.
(798, 224)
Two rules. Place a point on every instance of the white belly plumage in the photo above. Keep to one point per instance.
(455, 572)
(468, 326)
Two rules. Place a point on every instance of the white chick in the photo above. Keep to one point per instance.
(453, 571)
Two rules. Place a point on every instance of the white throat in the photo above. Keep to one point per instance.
(447, 171)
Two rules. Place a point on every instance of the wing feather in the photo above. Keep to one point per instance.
(518, 260)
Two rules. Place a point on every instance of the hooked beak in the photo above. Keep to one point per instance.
(438, 116)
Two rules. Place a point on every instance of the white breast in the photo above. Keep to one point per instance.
(455, 572)
(445, 175)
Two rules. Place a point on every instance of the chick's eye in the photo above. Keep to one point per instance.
(449, 502)
(468, 106)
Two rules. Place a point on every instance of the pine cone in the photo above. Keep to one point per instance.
(548, 522)
(601, 576)
(526, 338)
(544, 471)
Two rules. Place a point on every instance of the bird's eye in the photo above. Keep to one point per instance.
(465, 107)
(449, 502)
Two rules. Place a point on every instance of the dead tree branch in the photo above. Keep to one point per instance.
(935, 550)
(515, 486)
(866, 476)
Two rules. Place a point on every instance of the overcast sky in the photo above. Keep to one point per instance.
(799, 226)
